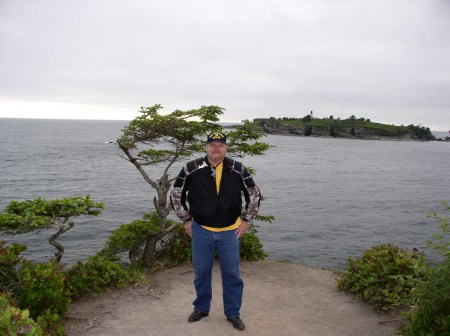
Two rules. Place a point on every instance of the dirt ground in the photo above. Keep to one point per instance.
(279, 299)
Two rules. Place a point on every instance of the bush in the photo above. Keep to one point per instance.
(384, 276)
(176, 251)
(9, 262)
(41, 290)
(252, 248)
(14, 321)
(132, 237)
(95, 275)
(430, 314)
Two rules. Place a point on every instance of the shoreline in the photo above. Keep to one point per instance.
(377, 138)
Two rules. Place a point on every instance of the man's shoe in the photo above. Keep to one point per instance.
(196, 316)
(237, 323)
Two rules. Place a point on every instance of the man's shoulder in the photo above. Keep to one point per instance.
(196, 164)
(233, 164)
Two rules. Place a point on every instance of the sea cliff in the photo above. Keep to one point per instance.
(359, 129)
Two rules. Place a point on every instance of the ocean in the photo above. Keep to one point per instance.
(331, 198)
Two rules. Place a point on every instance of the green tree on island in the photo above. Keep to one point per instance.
(159, 141)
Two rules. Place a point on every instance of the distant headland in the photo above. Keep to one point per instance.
(358, 128)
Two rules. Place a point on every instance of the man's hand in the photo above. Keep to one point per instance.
(188, 228)
(242, 229)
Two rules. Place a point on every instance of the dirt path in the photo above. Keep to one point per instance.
(279, 299)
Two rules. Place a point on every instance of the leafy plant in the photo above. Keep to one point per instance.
(95, 275)
(251, 247)
(14, 321)
(41, 290)
(430, 314)
(50, 323)
(133, 237)
(384, 276)
(175, 251)
(10, 260)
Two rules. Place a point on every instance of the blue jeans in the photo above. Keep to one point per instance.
(204, 245)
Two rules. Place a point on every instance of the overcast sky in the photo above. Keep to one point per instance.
(387, 60)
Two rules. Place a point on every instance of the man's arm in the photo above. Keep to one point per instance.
(178, 196)
(252, 196)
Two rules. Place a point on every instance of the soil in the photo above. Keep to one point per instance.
(279, 299)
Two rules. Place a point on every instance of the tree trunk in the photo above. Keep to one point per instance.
(66, 226)
(149, 250)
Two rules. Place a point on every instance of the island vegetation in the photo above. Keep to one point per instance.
(351, 127)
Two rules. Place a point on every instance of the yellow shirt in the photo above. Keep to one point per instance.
(219, 170)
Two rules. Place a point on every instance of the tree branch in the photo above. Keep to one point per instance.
(138, 166)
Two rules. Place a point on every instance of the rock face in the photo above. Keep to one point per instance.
(276, 126)
(270, 126)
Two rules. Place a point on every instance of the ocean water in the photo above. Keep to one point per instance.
(331, 198)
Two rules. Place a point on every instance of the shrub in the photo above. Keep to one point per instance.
(9, 262)
(176, 251)
(41, 290)
(430, 314)
(132, 237)
(14, 321)
(51, 323)
(95, 275)
(383, 276)
(252, 248)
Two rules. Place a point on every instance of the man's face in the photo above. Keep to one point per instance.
(216, 151)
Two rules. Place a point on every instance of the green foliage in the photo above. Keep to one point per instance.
(180, 129)
(178, 249)
(243, 140)
(441, 243)
(421, 132)
(430, 314)
(131, 237)
(41, 290)
(29, 215)
(10, 260)
(384, 276)
(50, 323)
(377, 129)
(41, 287)
(251, 247)
(14, 321)
(95, 275)
(44, 290)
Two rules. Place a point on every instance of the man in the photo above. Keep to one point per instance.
(213, 188)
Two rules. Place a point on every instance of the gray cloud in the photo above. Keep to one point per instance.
(385, 60)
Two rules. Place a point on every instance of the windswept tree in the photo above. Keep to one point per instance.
(154, 139)
(25, 216)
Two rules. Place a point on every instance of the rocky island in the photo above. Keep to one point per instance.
(348, 128)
